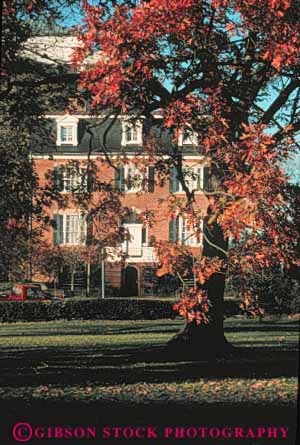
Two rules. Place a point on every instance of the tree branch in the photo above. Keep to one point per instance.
(295, 127)
(214, 245)
(280, 101)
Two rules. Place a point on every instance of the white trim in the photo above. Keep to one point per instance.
(50, 157)
(192, 139)
(127, 127)
(98, 116)
(112, 154)
(69, 212)
(68, 122)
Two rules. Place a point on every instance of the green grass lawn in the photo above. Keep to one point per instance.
(115, 372)
(112, 360)
(281, 333)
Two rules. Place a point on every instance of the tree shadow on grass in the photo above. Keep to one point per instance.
(130, 362)
(109, 366)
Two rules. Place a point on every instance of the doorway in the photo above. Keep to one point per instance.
(129, 282)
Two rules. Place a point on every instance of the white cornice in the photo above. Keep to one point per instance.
(112, 155)
(96, 116)
(67, 119)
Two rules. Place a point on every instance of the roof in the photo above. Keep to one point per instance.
(96, 135)
(53, 49)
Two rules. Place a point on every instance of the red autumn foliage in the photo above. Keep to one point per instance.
(194, 306)
(228, 69)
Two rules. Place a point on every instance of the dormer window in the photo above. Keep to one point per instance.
(187, 137)
(67, 130)
(131, 133)
(66, 134)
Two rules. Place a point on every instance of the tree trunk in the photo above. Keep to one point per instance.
(207, 340)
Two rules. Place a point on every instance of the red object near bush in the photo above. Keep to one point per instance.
(27, 292)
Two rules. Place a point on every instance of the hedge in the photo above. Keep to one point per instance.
(94, 309)
(86, 309)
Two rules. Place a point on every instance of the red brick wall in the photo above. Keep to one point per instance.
(144, 201)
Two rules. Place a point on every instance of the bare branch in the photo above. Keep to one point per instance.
(280, 101)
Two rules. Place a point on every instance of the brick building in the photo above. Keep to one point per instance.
(78, 137)
(68, 138)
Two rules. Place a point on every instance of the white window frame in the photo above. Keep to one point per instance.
(191, 183)
(72, 180)
(192, 139)
(76, 239)
(68, 122)
(186, 235)
(130, 127)
(130, 170)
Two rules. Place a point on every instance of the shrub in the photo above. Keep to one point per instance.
(86, 309)
(295, 304)
(5, 286)
(94, 309)
(274, 291)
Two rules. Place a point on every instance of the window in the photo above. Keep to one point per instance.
(181, 230)
(67, 130)
(72, 179)
(66, 134)
(74, 229)
(35, 293)
(187, 137)
(131, 179)
(193, 176)
(131, 133)
(70, 229)
(187, 233)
